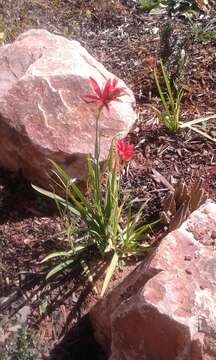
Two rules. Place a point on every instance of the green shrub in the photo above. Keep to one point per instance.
(19, 346)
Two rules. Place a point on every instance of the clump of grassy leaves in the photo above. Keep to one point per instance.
(106, 229)
(171, 102)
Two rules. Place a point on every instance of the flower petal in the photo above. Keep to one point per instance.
(87, 97)
(109, 93)
(114, 82)
(106, 89)
(95, 86)
(125, 151)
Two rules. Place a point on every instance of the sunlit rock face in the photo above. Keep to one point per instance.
(166, 308)
(42, 115)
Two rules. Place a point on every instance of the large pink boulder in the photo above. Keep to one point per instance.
(166, 308)
(41, 113)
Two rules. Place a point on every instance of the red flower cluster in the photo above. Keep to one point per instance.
(126, 151)
(103, 97)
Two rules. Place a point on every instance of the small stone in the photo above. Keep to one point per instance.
(23, 314)
(27, 241)
(155, 30)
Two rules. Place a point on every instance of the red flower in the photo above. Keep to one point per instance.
(126, 151)
(103, 97)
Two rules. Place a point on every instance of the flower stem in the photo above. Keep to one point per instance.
(97, 154)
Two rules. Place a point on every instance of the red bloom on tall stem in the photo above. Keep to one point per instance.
(110, 92)
(126, 151)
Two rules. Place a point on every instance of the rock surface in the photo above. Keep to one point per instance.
(41, 113)
(166, 308)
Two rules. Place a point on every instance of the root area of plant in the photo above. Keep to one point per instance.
(127, 42)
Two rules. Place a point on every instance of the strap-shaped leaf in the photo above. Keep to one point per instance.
(89, 274)
(197, 195)
(60, 267)
(57, 198)
(57, 254)
(109, 272)
(166, 107)
(181, 214)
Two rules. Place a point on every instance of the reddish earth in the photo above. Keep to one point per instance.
(124, 40)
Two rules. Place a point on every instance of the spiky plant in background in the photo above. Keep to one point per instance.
(180, 203)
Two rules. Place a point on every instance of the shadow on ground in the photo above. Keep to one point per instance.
(78, 344)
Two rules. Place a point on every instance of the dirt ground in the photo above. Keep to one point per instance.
(127, 41)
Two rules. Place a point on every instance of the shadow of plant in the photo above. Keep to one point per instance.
(78, 344)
